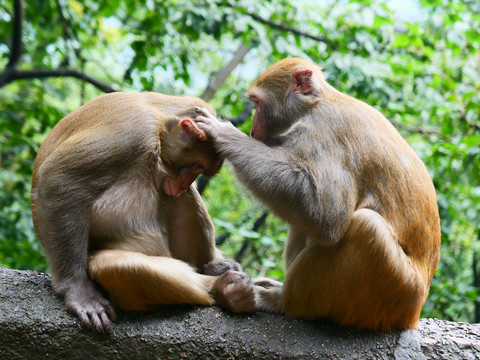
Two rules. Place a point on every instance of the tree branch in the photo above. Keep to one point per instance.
(11, 73)
(220, 76)
(462, 116)
(16, 46)
(247, 111)
(45, 73)
(283, 27)
(256, 226)
(415, 129)
(476, 280)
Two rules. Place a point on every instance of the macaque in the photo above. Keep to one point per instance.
(364, 233)
(113, 202)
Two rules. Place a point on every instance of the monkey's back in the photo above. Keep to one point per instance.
(115, 111)
(393, 181)
(132, 117)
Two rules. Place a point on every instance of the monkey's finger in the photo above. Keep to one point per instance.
(266, 283)
(84, 318)
(205, 114)
(111, 312)
(104, 306)
(202, 119)
(202, 111)
(97, 318)
(106, 324)
(206, 128)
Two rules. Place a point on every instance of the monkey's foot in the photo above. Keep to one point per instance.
(235, 291)
(90, 306)
(267, 283)
(220, 267)
(267, 294)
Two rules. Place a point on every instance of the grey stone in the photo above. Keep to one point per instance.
(34, 324)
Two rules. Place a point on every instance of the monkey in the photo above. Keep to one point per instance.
(364, 235)
(114, 204)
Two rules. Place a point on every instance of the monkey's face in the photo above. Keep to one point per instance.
(258, 122)
(186, 163)
(269, 94)
(178, 183)
(282, 94)
(185, 153)
(268, 119)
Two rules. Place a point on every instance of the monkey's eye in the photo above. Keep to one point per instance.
(200, 167)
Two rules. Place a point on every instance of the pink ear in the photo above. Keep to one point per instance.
(192, 131)
(302, 81)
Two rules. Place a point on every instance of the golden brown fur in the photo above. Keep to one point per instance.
(141, 282)
(113, 181)
(365, 233)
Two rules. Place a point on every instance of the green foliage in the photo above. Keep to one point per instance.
(423, 74)
(234, 213)
(22, 131)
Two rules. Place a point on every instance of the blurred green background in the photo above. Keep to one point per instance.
(418, 62)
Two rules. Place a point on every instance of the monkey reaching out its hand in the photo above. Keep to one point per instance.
(365, 233)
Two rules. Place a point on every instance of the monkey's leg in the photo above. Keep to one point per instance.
(140, 282)
(365, 281)
(62, 203)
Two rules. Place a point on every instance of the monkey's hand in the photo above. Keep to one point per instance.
(234, 291)
(216, 130)
(220, 266)
(90, 305)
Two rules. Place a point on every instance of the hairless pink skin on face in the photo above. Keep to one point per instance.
(177, 184)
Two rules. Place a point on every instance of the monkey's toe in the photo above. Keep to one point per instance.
(267, 283)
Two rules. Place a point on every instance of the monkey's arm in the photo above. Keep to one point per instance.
(65, 193)
(317, 197)
(190, 229)
(191, 235)
(63, 216)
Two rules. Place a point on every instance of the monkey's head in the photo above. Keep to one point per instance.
(283, 93)
(186, 153)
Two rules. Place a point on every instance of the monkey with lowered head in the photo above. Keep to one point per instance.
(113, 202)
